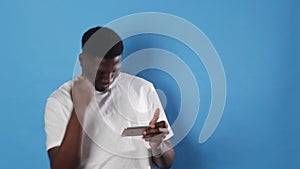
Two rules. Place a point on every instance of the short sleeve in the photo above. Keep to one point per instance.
(56, 121)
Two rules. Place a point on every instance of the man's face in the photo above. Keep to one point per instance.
(103, 74)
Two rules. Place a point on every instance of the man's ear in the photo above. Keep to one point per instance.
(81, 59)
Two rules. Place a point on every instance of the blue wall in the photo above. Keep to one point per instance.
(258, 43)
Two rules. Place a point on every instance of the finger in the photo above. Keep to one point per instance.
(147, 136)
(155, 118)
(163, 130)
(151, 131)
(155, 137)
(154, 132)
(160, 135)
(166, 125)
(87, 82)
(82, 81)
(80, 78)
(161, 124)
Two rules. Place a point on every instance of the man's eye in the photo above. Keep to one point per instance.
(116, 70)
(100, 73)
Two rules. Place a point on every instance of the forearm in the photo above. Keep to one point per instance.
(165, 160)
(68, 155)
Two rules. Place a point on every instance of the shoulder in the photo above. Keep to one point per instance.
(62, 94)
(134, 81)
(127, 78)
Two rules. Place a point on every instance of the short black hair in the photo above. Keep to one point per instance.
(101, 42)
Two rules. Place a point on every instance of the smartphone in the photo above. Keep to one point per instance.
(134, 131)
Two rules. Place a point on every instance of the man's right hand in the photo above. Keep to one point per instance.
(68, 154)
(82, 93)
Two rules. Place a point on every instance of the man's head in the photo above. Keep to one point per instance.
(101, 56)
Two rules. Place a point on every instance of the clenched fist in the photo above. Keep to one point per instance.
(82, 93)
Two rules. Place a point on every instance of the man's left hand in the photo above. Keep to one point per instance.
(157, 132)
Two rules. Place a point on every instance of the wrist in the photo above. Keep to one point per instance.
(156, 151)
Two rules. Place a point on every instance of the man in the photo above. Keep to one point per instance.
(85, 117)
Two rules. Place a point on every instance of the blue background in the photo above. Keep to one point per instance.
(258, 43)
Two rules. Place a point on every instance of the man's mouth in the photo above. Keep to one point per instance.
(102, 86)
(105, 85)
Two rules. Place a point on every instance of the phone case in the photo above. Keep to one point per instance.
(134, 131)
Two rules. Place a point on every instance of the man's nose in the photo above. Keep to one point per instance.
(107, 78)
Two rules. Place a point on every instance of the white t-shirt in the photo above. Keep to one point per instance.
(130, 101)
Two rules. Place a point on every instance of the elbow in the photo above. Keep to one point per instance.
(63, 163)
